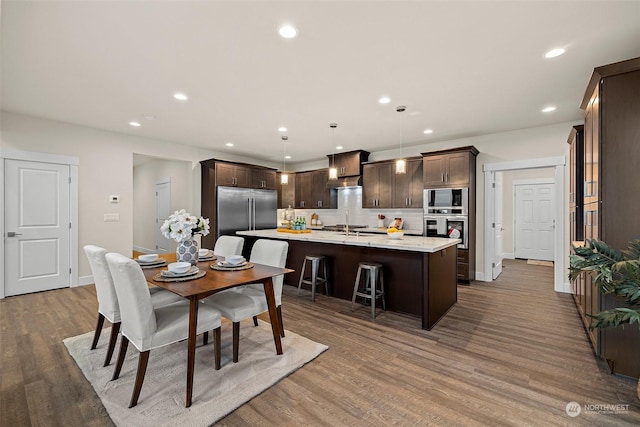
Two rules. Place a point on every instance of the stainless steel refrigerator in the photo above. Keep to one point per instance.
(245, 209)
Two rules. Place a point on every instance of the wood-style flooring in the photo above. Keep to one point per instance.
(510, 352)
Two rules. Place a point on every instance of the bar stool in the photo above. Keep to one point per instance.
(372, 276)
(314, 279)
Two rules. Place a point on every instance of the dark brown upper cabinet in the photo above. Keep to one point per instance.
(349, 163)
(408, 188)
(377, 185)
(448, 168)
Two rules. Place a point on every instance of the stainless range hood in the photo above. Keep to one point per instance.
(345, 182)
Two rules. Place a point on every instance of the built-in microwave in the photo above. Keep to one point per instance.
(446, 201)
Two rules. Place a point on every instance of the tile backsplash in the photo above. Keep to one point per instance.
(350, 199)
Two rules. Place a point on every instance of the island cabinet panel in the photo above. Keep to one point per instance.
(377, 185)
(286, 192)
(416, 283)
(610, 209)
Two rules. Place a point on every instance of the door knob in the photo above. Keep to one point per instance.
(13, 234)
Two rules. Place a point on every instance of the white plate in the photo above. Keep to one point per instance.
(193, 270)
(227, 265)
(156, 261)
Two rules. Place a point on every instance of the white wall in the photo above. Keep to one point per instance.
(106, 167)
(145, 175)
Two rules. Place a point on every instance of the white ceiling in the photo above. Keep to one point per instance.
(461, 68)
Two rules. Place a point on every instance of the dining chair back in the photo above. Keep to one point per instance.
(149, 327)
(108, 305)
(250, 300)
(228, 245)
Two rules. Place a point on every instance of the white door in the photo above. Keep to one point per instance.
(534, 221)
(37, 225)
(163, 210)
(498, 225)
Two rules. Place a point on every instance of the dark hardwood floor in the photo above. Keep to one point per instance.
(511, 352)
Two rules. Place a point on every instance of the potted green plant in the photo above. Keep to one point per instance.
(615, 272)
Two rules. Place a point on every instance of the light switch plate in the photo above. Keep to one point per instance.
(112, 217)
(114, 198)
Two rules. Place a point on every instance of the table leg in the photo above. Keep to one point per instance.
(191, 345)
(273, 314)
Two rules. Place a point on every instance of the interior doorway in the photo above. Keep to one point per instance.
(490, 170)
(534, 221)
(163, 210)
(39, 201)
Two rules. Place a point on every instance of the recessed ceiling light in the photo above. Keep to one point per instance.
(229, 144)
(287, 157)
(287, 31)
(428, 131)
(135, 124)
(180, 96)
(554, 52)
(549, 109)
(339, 147)
(282, 129)
(384, 100)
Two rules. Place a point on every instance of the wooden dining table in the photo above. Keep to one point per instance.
(216, 281)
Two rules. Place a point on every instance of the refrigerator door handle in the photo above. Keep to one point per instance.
(253, 213)
(249, 213)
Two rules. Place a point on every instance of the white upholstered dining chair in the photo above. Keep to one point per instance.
(250, 300)
(228, 245)
(108, 307)
(147, 327)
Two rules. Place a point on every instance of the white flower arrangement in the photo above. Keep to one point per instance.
(181, 226)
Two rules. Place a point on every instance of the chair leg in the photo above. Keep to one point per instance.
(314, 278)
(279, 310)
(216, 342)
(205, 338)
(124, 343)
(255, 320)
(236, 340)
(373, 276)
(115, 329)
(96, 335)
(143, 359)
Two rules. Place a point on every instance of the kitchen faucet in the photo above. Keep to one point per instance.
(346, 229)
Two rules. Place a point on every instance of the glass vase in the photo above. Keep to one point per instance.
(187, 251)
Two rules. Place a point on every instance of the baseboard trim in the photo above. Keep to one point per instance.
(144, 250)
(480, 276)
(509, 255)
(85, 280)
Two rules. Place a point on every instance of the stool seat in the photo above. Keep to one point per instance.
(315, 279)
(373, 286)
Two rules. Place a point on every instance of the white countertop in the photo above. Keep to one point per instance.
(384, 231)
(407, 243)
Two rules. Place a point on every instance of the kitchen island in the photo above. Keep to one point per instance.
(419, 272)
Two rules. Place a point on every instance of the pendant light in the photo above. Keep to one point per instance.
(284, 177)
(401, 163)
(333, 171)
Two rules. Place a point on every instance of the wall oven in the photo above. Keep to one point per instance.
(448, 226)
(446, 201)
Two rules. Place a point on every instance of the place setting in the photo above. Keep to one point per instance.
(150, 261)
(206, 255)
(179, 272)
(232, 263)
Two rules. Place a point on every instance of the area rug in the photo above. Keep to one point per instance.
(215, 393)
(539, 262)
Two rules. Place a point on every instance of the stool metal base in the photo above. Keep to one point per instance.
(314, 280)
(372, 276)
